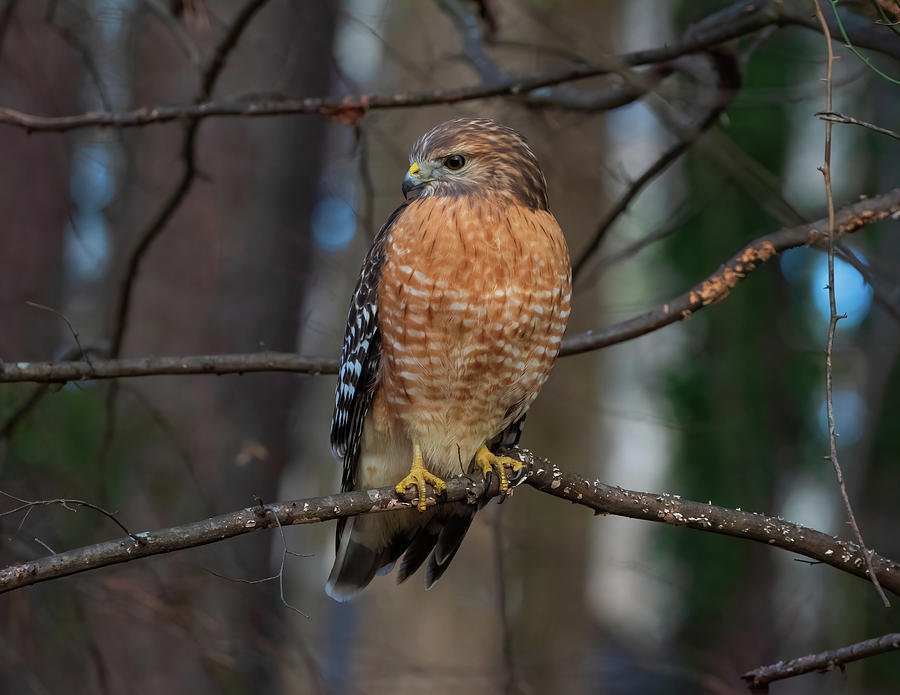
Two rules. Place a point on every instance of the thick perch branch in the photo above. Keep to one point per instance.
(759, 678)
(714, 288)
(541, 475)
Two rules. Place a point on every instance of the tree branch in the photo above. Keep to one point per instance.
(716, 287)
(748, 16)
(833, 117)
(540, 474)
(833, 315)
(713, 289)
(759, 678)
(738, 20)
(728, 83)
(52, 372)
(188, 175)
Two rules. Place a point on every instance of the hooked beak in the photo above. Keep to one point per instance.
(412, 180)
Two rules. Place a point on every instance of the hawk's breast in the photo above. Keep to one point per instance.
(473, 298)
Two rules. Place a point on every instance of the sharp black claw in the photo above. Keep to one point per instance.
(503, 496)
(488, 476)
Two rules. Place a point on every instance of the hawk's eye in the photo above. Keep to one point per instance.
(454, 162)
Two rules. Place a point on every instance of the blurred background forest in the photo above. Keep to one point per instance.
(255, 229)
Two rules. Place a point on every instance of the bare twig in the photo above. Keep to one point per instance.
(87, 61)
(170, 205)
(686, 211)
(855, 28)
(741, 19)
(833, 315)
(759, 678)
(188, 174)
(629, 88)
(226, 45)
(717, 285)
(61, 372)
(728, 82)
(72, 330)
(43, 545)
(148, 236)
(65, 503)
(541, 475)
(832, 117)
(280, 575)
(751, 17)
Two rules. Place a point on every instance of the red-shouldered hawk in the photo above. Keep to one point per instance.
(455, 323)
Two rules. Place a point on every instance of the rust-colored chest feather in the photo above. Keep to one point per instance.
(473, 302)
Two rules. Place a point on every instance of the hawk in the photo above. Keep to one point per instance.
(454, 325)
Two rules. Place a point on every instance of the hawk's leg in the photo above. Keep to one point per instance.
(489, 462)
(419, 476)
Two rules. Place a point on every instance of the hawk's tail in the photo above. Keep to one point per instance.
(360, 555)
(364, 549)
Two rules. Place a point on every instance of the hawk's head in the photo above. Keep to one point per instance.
(475, 156)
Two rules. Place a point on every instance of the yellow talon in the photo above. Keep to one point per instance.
(419, 476)
(487, 462)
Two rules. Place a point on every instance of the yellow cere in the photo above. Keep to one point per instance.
(414, 170)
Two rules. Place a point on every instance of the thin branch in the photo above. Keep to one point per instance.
(833, 315)
(87, 61)
(856, 29)
(61, 372)
(711, 290)
(741, 19)
(284, 554)
(717, 286)
(472, 36)
(541, 475)
(226, 45)
(833, 117)
(686, 212)
(471, 33)
(68, 323)
(188, 175)
(728, 82)
(169, 207)
(749, 17)
(759, 678)
(148, 236)
(28, 505)
(849, 44)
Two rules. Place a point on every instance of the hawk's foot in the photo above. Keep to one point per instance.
(419, 476)
(489, 462)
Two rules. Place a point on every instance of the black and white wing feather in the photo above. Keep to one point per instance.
(360, 358)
